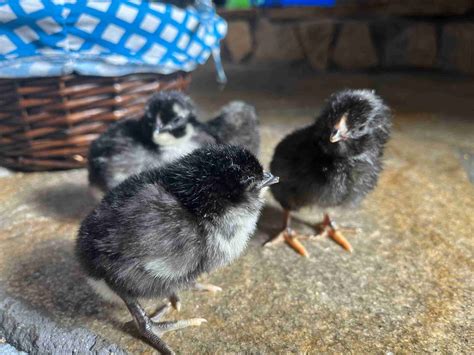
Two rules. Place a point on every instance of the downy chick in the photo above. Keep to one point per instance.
(168, 130)
(236, 124)
(156, 232)
(335, 161)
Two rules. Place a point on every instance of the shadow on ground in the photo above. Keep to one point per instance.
(50, 279)
(65, 201)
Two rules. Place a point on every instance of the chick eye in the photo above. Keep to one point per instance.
(246, 180)
(178, 120)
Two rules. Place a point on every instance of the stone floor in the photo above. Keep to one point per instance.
(407, 288)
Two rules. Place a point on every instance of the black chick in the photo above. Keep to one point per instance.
(335, 161)
(165, 132)
(156, 232)
(237, 124)
(168, 130)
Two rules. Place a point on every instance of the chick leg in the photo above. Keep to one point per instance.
(280, 237)
(327, 226)
(289, 236)
(175, 301)
(151, 329)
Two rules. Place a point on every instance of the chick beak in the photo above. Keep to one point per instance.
(340, 130)
(268, 179)
(161, 129)
(336, 137)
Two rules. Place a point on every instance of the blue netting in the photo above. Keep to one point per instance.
(104, 37)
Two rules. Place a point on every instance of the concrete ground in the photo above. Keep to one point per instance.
(407, 288)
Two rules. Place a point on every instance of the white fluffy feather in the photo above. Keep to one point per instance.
(244, 223)
(173, 148)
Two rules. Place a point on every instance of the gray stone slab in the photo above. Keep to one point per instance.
(277, 43)
(354, 47)
(457, 43)
(408, 44)
(7, 349)
(35, 333)
(407, 288)
(316, 38)
(239, 40)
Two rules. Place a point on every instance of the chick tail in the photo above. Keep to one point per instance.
(236, 124)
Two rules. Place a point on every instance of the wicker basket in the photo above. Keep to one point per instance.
(48, 123)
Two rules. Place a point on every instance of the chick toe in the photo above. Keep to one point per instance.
(328, 228)
(291, 238)
(169, 326)
(207, 287)
(161, 311)
(339, 238)
(278, 239)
